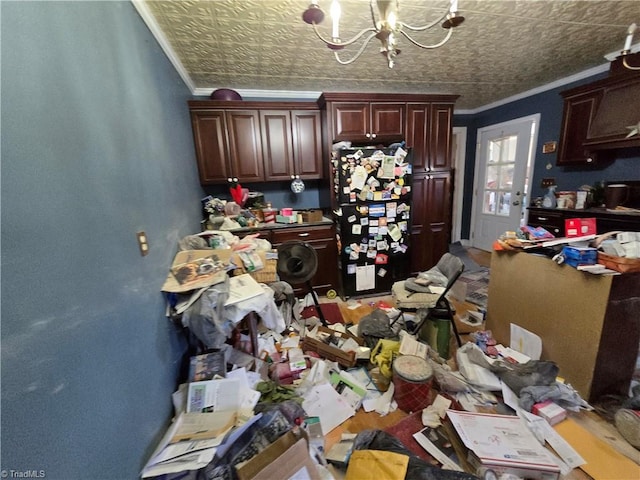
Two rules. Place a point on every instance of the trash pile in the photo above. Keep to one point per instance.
(260, 399)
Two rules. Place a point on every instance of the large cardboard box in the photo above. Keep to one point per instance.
(287, 457)
(587, 323)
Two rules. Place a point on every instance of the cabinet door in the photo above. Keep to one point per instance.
(387, 119)
(245, 145)
(431, 220)
(576, 120)
(418, 121)
(440, 137)
(307, 144)
(350, 120)
(212, 151)
(277, 144)
(323, 240)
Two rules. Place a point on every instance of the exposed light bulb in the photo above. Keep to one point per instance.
(335, 16)
(630, 31)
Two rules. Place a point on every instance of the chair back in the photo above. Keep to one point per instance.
(451, 267)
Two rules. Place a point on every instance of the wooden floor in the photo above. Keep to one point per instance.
(354, 309)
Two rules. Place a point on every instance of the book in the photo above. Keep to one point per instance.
(207, 366)
(213, 395)
(241, 288)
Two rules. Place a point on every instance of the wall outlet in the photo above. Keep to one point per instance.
(142, 243)
(547, 182)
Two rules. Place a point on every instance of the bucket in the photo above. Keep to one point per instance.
(437, 333)
(412, 377)
(616, 194)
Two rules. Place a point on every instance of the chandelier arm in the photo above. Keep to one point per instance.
(436, 45)
(425, 27)
(626, 64)
(348, 42)
(358, 53)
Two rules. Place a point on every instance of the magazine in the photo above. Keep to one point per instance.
(206, 366)
(437, 444)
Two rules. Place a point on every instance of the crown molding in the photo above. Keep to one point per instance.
(249, 94)
(156, 31)
(534, 91)
(613, 55)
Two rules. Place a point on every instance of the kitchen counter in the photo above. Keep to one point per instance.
(275, 226)
(553, 219)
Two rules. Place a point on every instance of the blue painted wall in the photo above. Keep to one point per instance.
(549, 104)
(96, 145)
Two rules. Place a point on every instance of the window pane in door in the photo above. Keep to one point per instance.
(504, 203)
(489, 204)
(499, 176)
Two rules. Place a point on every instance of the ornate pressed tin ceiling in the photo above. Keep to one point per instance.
(502, 49)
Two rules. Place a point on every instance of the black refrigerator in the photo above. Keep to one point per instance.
(373, 218)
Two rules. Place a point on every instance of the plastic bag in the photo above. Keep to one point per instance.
(417, 469)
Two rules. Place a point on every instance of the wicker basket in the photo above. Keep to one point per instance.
(619, 264)
(267, 274)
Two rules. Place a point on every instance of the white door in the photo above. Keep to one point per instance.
(501, 185)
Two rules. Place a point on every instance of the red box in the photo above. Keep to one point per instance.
(578, 227)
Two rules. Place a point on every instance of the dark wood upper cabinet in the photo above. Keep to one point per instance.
(307, 144)
(440, 144)
(210, 135)
(245, 145)
(364, 118)
(579, 110)
(257, 141)
(597, 115)
(277, 141)
(387, 119)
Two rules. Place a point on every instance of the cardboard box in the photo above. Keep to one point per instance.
(286, 218)
(550, 411)
(575, 256)
(310, 216)
(578, 227)
(284, 458)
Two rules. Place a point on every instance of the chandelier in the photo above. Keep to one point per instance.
(386, 27)
(626, 50)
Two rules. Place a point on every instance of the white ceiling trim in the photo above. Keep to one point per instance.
(249, 94)
(542, 88)
(613, 55)
(156, 31)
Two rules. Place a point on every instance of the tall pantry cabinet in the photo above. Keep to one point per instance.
(425, 123)
(429, 135)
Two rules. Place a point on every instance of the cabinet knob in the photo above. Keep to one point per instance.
(373, 135)
(589, 159)
(368, 135)
(292, 177)
(303, 234)
(543, 219)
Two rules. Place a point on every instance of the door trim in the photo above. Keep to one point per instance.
(460, 135)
